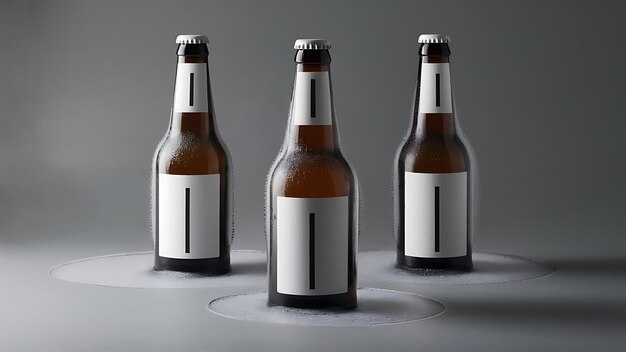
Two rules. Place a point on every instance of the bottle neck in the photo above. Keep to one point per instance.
(312, 120)
(434, 112)
(192, 110)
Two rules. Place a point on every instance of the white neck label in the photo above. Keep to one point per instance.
(435, 89)
(311, 99)
(190, 91)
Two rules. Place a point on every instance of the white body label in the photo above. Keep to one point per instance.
(435, 88)
(312, 245)
(189, 216)
(190, 90)
(435, 215)
(311, 99)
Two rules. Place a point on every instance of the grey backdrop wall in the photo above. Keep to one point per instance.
(86, 90)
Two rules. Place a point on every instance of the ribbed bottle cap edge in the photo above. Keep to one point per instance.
(433, 38)
(192, 39)
(312, 44)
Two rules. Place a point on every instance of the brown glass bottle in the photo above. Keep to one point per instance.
(191, 195)
(311, 199)
(431, 179)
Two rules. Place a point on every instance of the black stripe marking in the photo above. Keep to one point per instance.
(438, 90)
(187, 213)
(312, 98)
(436, 219)
(191, 89)
(312, 251)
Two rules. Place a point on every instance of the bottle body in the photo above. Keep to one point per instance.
(432, 176)
(312, 204)
(192, 178)
(312, 231)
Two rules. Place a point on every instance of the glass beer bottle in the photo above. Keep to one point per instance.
(311, 199)
(431, 176)
(191, 195)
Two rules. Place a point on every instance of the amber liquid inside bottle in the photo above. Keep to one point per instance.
(433, 148)
(311, 166)
(193, 147)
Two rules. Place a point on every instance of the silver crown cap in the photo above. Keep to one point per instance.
(433, 38)
(312, 44)
(191, 39)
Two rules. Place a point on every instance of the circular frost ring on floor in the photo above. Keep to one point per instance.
(134, 270)
(375, 307)
(379, 266)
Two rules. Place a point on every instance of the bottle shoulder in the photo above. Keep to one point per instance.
(307, 162)
(191, 154)
(433, 154)
(311, 174)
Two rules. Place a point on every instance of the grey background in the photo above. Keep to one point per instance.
(86, 89)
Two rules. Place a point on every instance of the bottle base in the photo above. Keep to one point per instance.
(206, 267)
(340, 301)
(453, 264)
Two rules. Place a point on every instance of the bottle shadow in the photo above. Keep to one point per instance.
(254, 268)
(589, 293)
(550, 312)
(592, 266)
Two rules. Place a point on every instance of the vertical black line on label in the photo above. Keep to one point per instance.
(312, 251)
(191, 89)
(187, 211)
(437, 89)
(436, 219)
(312, 98)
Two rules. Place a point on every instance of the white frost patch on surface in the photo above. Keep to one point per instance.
(375, 307)
(134, 270)
(379, 266)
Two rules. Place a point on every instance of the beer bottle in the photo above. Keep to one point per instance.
(431, 181)
(311, 199)
(192, 202)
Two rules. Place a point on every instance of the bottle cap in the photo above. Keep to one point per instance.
(312, 44)
(433, 38)
(192, 39)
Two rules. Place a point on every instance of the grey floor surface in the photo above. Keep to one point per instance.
(580, 307)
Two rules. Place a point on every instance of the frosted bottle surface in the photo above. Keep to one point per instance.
(432, 173)
(312, 219)
(192, 196)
